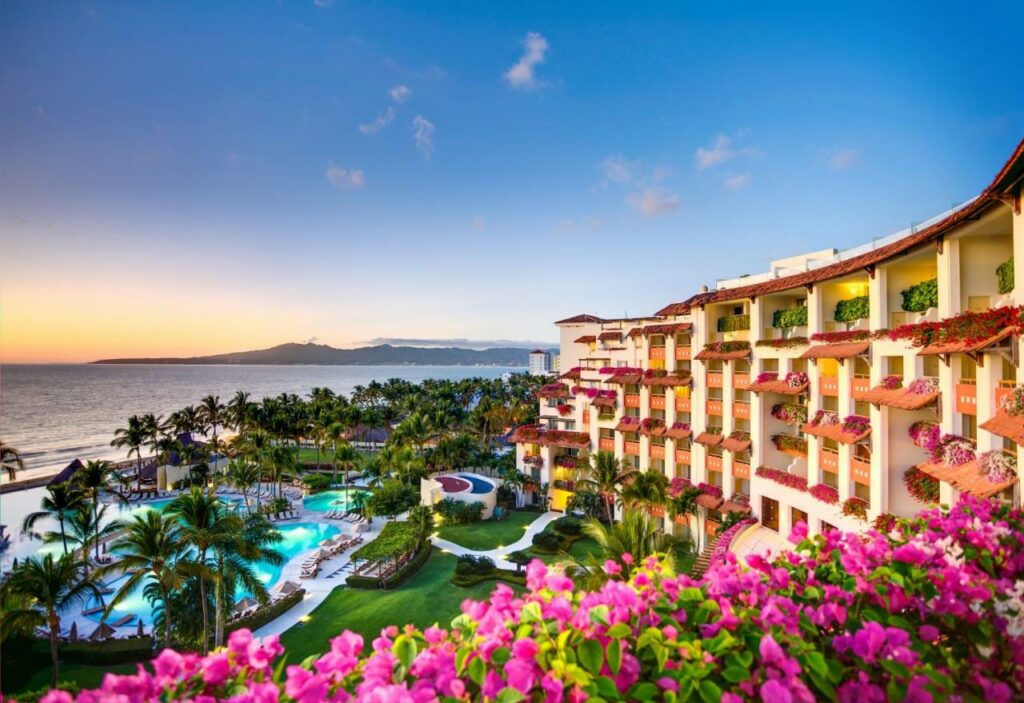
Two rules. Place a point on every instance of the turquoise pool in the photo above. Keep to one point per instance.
(298, 538)
(331, 500)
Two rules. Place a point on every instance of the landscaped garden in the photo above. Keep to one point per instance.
(489, 534)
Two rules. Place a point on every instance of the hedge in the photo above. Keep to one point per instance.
(22, 657)
(398, 578)
(33, 695)
(734, 323)
(853, 309)
(561, 543)
(921, 296)
(1005, 275)
(790, 317)
(395, 539)
(509, 577)
(267, 613)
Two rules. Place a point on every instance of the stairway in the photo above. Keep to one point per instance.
(704, 558)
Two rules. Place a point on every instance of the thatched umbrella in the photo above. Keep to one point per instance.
(140, 631)
(73, 634)
(103, 632)
(244, 604)
(324, 554)
(288, 587)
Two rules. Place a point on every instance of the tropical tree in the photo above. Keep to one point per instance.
(211, 414)
(185, 421)
(606, 474)
(10, 460)
(93, 478)
(282, 465)
(155, 427)
(52, 587)
(627, 543)
(243, 474)
(239, 412)
(347, 459)
(132, 436)
(152, 549)
(84, 529)
(685, 505)
(645, 489)
(61, 502)
(392, 498)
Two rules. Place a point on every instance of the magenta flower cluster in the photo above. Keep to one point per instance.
(620, 370)
(824, 418)
(923, 386)
(595, 392)
(677, 486)
(856, 424)
(796, 379)
(891, 383)
(710, 489)
(725, 538)
(826, 494)
(997, 467)
(781, 477)
(767, 377)
(926, 435)
(927, 612)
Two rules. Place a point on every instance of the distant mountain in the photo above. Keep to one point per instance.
(379, 355)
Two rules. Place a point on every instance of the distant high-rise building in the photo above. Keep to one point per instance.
(540, 363)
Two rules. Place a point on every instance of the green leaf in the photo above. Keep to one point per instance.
(614, 654)
(734, 674)
(510, 695)
(619, 630)
(644, 691)
(477, 671)
(709, 691)
(599, 615)
(607, 688)
(816, 663)
(501, 655)
(591, 655)
(460, 660)
(745, 658)
(531, 612)
(405, 650)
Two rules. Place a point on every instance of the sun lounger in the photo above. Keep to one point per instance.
(93, 611)
(126, 620)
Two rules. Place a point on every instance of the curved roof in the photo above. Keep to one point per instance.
(1009, 175)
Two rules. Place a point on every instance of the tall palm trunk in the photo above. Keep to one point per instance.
(167, 617)
(63, 536)
(96, 521)
(54, 620)
(218, 612)
(206, 606)
(138, 471)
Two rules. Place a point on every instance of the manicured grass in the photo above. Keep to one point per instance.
(424, 600)
(579, 550)
(84, 676)
(489, 534)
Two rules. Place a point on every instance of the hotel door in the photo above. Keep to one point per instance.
(797, 515)
(770, 513)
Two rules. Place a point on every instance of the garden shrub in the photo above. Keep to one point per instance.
(567, 525)
(547, 541)
(266, 613)
(471, 564)
(853, 309)
(734, 323)
(921, 296)
(458, 512)
(1005, 276)
(396, 579)
(586, 500)
(503, 575)
(317, 481)
(791, 317)
(394, 540)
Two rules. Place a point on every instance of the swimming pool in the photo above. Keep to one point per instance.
(480, 485)
(298, 538)
(332, 500)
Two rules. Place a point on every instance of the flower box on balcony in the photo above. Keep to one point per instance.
(783, 478)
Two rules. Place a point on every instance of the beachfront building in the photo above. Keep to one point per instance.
(835, 388)
(541, 363)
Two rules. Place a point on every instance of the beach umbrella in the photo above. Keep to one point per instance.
(73, 635)
(104, 631)
(140, 631)
(244, 604)
(325, 554)
(288, 587)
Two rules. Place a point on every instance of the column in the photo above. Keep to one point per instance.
(949, 278)
(879, 300)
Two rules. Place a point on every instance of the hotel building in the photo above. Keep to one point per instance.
(791, 395)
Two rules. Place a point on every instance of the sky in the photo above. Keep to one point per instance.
(189, 178)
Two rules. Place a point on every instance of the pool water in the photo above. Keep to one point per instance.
(480, 486)
(298, 538)
(331, 500)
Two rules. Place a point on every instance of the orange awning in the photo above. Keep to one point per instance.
(843, 350)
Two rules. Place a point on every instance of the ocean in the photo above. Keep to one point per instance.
(55, 413)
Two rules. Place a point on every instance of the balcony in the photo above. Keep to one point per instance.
(632, 448)
(713, 463)
(683, 353)
(713, 407)
(860, 471)
(586, 417)
(632, 400)
(740, 469)
(829, 385)
(740, 381)
(683, 457)
(657, 451)
(606, 444)
(967, 397)
(657, 402)
(682, 405)
(828, 460)
(1004, 391)
(861, 384)
(715, 379)
(656, 354)
(741, 410)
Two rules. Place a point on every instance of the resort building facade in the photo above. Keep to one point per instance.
(834, 388)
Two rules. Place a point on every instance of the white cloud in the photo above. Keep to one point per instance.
(423, 134)
(618, 169)
(382, 120)
(323, 3)
(721, 151)
(479, 222)
(345, 178)
(843, 159)
(653, 201)
(521, 75)
(400, 93)
(738, 181)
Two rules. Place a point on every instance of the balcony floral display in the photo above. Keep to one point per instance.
(926, 385)
(824, 418)
(885, 523)
(567, 461)
(677, 486)
(1004, 276)
(621, 370)
(783, 478)
(926, 435)
(892, 382)
(997, 467)
(789, 318)
(710, 489)
(564, 410)
(967, 329)
(678, 430)
(796, 379)
(563, 484)
(793, 414)
(853, 309)
(856, 424)
(842, 336)
(856, 508)
(826, 494)
(921, 487)
(953, 450)
(766, 377)
(734, 323)
(921, 296)
(535, 460)
(652, 426)
(827, 424)
(573, 374)
(1013, 402)
(553, 390)
(790, 444)
(783, 342)
(736, 349)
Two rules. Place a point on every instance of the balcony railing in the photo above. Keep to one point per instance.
(829, 385)
(657, 451)
(657, 402)
(860, 471)
(740, 380)
(861, 383)
(741, 409)
(683, 457)
(828, 460)
(632, 400)
(656, 353)
(967, 397)
(713, 463)
(683, 353)
(715, 379)
(713, 407)
(632, 448)
(606, 444)
(682, 405)
(586, 417)
(740, 469)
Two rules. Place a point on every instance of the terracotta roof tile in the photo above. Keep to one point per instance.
(777, 386)
(709, 502)
(844, 350)
(625, 379)
(967, 478)
(731, 507)
(834, 432)
(737, 442)
(666, 328)
(1007, 175)
(628, 424)
(602, 402)
(900, 398)
(1009, 426)
(586, 339)
(709, 439)
(578, 319)
(678, 432)
(709, 354)
(610, 336)
(965, 347)
(671, 379)
(554, 390)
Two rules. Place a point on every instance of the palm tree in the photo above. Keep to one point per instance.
(93, 478)
(211, 414)
(606, 473)
(346, 457)
(151, 549)
(155, 428)
(242, 474)
(238, 413)
(64, 500)
(53, 586)
(258, 447)
(232, 563)
(85, 529)
(185, 421)
(645, 489)
(132, 436)
(282, 464)
(636, 535)
(685, 504)
(334, 437)
(10, 460)
(205, 526)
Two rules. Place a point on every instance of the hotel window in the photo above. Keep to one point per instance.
(658, 465)
(969, 425)
(631, 461)
(830, 402)
(798, 365)
(714, 478)
(968, 370)
(770, 365)
(862, 407)
(930, 367)
(894, 366)
(863, 492)
(741, 486)
(830, 479)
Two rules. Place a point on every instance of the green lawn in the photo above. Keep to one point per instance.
(425, 599)
(489, 534)
(84, 676)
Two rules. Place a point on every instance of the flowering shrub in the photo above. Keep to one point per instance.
(649, 424)
(677, 486)
(725, 538)
(795, 379)
(824, 418)
(553, 390)
(783, 342)
(564, 410)
(790, 413)
(856, 424)
(923, 385)
(710, 489)
(925, 435)
(655, 373)
(891, 383)
(885, 523)
(767, 377)
(598, 393)
(1013, 402)
(953, 450)
(826, 494)
(790, 443)
(853, 309)
(533, 460)
(843, 336)
(921, 487)
(629, 420)
(930, 610)
(620, 370)
(968, 327)
(855, 507)
(680, 425)
(997, 467)
(783, 478)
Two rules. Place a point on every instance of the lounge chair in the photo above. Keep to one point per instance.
(126, 620)
(93, 611)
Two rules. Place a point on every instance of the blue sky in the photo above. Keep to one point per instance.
(192, 177)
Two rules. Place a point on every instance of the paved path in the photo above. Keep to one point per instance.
(761, 541)
(498, 555)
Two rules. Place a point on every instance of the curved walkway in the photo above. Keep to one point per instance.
(498, 555)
